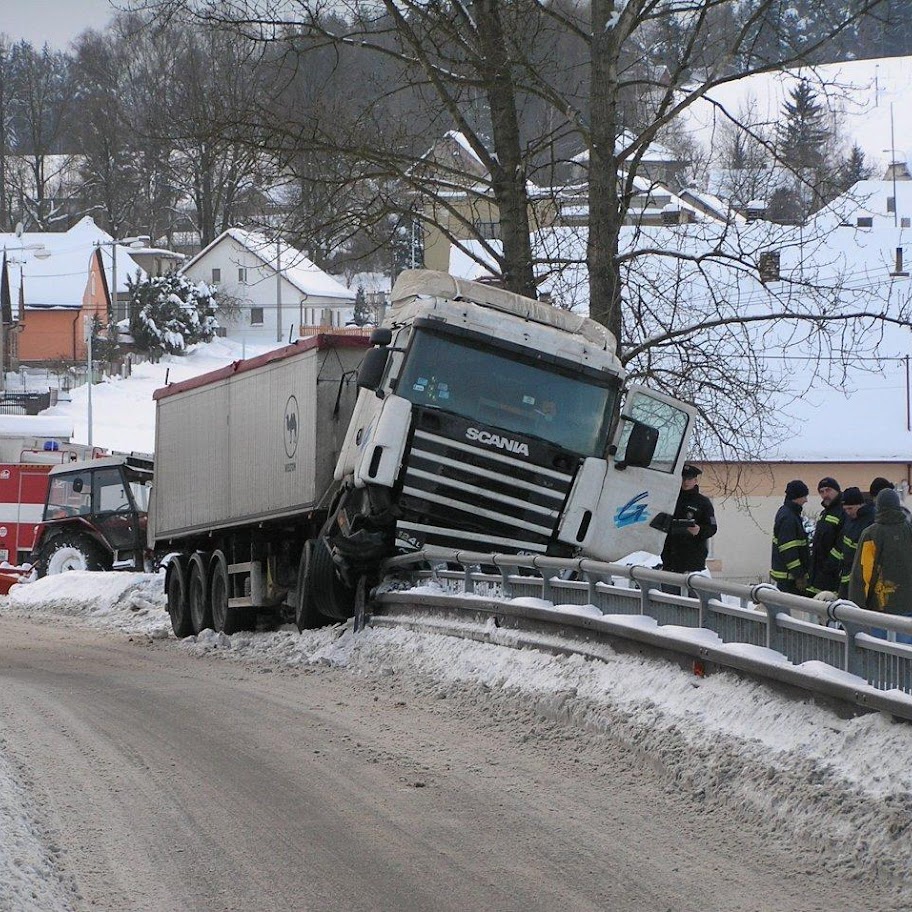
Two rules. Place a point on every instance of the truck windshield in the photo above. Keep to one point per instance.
(506, 391)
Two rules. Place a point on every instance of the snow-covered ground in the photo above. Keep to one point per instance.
(123, 411)
(829, 773)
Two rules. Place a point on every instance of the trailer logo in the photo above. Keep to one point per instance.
(495, 440)
(632, 512)
(291, 427)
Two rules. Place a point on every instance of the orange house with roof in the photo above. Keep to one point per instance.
(58, 333)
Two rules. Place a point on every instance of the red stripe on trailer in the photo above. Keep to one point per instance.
(324, 340)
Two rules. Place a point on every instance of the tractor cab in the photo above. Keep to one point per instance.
(95, 516)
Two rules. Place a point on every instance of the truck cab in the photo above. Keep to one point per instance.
(492, 422)
(95, 516)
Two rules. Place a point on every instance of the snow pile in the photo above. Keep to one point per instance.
(129, 602)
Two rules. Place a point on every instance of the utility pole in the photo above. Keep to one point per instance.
(278, 290)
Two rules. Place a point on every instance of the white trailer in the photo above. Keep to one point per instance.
(243, 475)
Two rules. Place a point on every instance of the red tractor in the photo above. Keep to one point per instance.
(95, 516)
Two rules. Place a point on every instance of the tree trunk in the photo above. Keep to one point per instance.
(508, 174)
(605, 216)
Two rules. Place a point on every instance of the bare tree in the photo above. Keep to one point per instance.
(632, 71)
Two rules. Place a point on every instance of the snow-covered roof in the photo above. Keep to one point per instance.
(655, 151)
(59, 279)
(869, 199)
(857, 416)
(296, 268)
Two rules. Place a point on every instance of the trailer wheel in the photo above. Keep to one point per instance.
(198, 594)
(176, 591)
(225, 619)
(319, 588)
(71, 551)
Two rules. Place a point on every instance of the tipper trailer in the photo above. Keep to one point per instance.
(476, 419)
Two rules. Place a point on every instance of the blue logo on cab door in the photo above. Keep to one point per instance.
(636, 510)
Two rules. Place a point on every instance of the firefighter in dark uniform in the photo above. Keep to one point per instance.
(859, 515)
(791, 555)
(685, 545)
(826, 548)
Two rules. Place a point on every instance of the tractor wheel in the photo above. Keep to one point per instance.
(71, 551)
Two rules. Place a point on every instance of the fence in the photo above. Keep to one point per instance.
(838, 633)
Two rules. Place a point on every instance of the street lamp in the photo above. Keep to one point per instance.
(137, 242)
(39, 251)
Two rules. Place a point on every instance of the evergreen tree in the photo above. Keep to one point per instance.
(853, 169)
(802, 136)
(168, 313)
(362, 312)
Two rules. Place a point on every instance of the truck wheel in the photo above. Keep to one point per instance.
(198, 594)
(70, 551)
(225, 619)
(176, 591)
(319, 588)
(307, 615)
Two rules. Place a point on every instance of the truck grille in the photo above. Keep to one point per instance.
(458, 494)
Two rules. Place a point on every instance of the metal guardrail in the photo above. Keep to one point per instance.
(797, 628)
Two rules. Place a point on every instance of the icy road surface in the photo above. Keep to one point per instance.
(396, 771)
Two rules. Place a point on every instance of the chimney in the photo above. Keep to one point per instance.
(755, 210)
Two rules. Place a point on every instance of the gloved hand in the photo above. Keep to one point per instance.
(801, 583)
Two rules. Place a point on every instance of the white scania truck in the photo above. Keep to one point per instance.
(476, 419)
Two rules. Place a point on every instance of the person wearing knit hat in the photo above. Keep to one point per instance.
(694, 523)
(877, 485)
(859, 515)
(791, 555)
(881, 578)
(826, 545)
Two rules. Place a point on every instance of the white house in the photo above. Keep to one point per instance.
(276, 293)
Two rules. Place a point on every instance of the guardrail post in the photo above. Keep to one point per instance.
(591, 590)
(774, 638)
(547, 592)
(468, 583)
(707, 616)
(505, 582)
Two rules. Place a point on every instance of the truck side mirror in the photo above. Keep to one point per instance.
(382, 335)
(641, 445)
(372, 367)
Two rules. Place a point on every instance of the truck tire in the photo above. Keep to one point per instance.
(176, 592)
(72, 551)
(307, 615)
(321, 594)
(224, 619)
(198, 594)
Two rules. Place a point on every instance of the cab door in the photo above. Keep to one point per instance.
(115, 515)
(642, 476)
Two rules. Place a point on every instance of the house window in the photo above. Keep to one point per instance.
(242, 275)
(905, 222)
(865, 221)
(488, 231)
(256, 316)
(891, 204)
(216, 275)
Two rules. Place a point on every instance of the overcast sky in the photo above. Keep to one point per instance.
(56, 22)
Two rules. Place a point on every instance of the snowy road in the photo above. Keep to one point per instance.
(165, 777)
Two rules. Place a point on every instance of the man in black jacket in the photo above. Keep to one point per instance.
(826, 549)
(859, 515)
(791, 555)
(694, 524)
